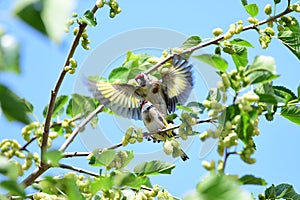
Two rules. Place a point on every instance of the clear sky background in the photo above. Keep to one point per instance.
(277, 145)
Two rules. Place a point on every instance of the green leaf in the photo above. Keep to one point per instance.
(262, 70)
(190, 42)
(46, 16)
(171, 117)
(122, 158)
(58, 186)
(30, 11)
(291, 39)
(103, 158)
(244, 2)
(232, 111)
(80, 104)
(9, 54)
(129, 179)
(245, 128)
(266, 94)
(298, 89)
(83, 105)
(284, 94)
(101, 183)
(13, 187)
(9, 168)
(89, 18)
(281, 191)
(252, 9)
(277, 1)
(53, 157)
(58, 106)
(28, 105)
(213, 60)
(153, 167)
(252, 180)
(192, 107)
(218, 187)
(241, 42)
(184, 108)
(13, 107)
(240, 57)
(119, 74)
(54, 15)
(291, 113)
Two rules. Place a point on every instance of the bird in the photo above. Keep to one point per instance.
(154, 122)
(124, 99)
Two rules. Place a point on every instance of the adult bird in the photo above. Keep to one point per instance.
(124, 99)
(154, 122)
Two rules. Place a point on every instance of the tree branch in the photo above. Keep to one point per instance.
(35, 174)
(54, 92)
(217, 39)
(23, 148)
(43, 166)
(80, 126)
(75, 154)
(210, 120)
(64, 166)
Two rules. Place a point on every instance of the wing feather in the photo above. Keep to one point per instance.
(177, 82)
(120, 98)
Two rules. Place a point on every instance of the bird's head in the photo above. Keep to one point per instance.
(142, 79)
(145, 105)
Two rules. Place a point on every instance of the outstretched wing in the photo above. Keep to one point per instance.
(120, 98)
(177, 82)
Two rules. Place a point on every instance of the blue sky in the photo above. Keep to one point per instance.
(278, 143)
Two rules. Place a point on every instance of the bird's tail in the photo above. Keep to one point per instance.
(183, 155)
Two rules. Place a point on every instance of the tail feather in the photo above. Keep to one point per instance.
(184, 156)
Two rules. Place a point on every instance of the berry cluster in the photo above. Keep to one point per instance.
(132, 135)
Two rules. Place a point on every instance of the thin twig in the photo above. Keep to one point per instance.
(77, 169)
(210, 120)
(43, 166)
(226, 156)
(217, 39)
(76, 154)
(80, 127)
(83, 154)
(23, 148)
(54, 92)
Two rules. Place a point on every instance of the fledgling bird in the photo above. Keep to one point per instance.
(124, 99)
(154, 121)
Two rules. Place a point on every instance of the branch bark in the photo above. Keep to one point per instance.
(77, 169)
(44, 167)
(54, 92)
(79, 127)
(217, 39)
